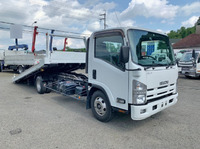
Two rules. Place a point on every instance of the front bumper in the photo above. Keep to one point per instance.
(191, 73)
(144, 111)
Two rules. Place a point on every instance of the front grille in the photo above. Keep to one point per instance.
(160, 91)
(158, 98)
(185, 68)
(185, 64)
(162, 87)
(151, 89)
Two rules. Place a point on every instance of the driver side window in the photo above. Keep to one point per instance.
(107, 48)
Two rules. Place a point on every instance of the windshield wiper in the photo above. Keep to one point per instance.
(160, 64)
(148, 67)
(157, 64)
(151, 66)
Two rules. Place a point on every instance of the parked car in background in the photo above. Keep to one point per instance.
(178, 56)
(190, 64)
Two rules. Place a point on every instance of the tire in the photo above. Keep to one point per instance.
(1, 67)
(39, 84)
(48, 90)
(20, 69)
(189, 77)
(101, 107)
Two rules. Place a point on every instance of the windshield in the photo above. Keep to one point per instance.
(179, 55)
(150, 49)
(187, 57)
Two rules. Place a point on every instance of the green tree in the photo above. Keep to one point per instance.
(181, 33)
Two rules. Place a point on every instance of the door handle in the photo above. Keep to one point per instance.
(94, 74)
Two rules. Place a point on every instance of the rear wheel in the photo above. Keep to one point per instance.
(40, 85)
(21, 69)
(1, 67)
(101, 107)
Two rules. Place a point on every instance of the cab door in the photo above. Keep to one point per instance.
(106, 69)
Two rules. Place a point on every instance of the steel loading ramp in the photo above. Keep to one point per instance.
(28, 72)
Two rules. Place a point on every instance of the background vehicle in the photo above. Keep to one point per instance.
(190, 64)
(1, 59)
(122, 74)
(178, 56)
(21, 60)
(18, 58)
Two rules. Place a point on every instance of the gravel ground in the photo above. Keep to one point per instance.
(32, 121)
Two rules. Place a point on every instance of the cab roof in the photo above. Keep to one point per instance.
(125, 29)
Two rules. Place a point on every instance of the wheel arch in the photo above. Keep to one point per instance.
(93, 89)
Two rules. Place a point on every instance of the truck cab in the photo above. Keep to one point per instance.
(190, 64)
(130, 70)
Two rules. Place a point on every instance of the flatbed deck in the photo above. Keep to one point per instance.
(58, 60)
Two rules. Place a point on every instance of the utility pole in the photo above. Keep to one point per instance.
(104, 19)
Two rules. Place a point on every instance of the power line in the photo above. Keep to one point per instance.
(117, 19)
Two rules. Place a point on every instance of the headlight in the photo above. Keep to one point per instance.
(139, 92)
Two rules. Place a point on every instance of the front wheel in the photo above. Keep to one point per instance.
(101, 107)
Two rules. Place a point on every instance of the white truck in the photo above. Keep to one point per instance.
(121, 75)
(190, 64)
(21, 60)
(18, 58)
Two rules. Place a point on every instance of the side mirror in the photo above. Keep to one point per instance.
(124, 54)
(193, 54)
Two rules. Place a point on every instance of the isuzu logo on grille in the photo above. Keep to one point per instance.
(164, 82)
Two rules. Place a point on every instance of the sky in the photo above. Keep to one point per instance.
(82, 16)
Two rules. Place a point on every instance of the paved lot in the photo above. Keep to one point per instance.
(32, 121)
